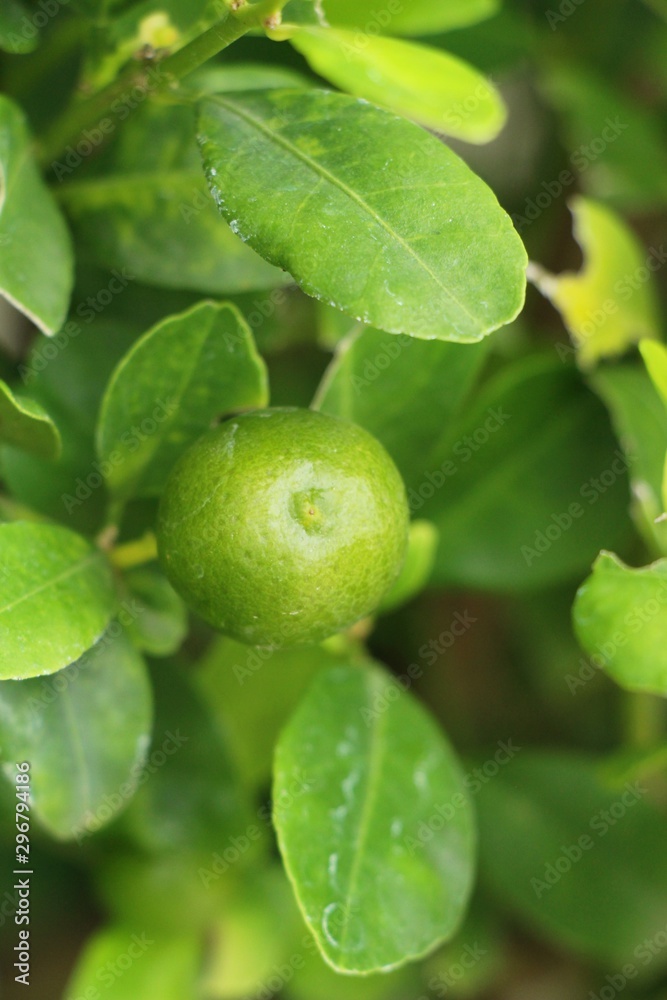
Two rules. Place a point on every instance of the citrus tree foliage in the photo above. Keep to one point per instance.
(211, 212)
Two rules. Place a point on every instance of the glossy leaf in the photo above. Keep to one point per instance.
(18, 33)
(620, 616)
(421, 17)
(25, 424)
(417, 568)
(365, 210)
(180, 376)
(610, 303)
(381, 873)
(402, 390)
(36, 261)
(517, 509)
(147, 209)
(430, 86)
(150, 966)
(161, 621)
(56, 598)
(543, 807)
(85, 734)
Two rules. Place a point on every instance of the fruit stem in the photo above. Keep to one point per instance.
(160, 76)
(135, 553)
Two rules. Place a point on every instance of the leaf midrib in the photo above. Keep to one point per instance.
(51, 582)
(376, 754)
(351, 194)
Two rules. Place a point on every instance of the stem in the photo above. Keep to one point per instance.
(163, 76)
(644, 719)
(141, 550)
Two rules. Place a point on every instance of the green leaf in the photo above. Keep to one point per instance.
(149, 967)
(148, 210)
(404, 391)
(36, 263)
(56, 598)
(640, 420)
(254, 933)
(365, 210)
(161, 622)
(616, 145)
(159, 892)
(431, 87)
(420, 17)
(300, 12)
(315, 980)
(215, 78)
(67, 378)
(620, 616)
(251, 692)
(168, 390)
(610, 303)
(556, 841)
(517, 509)
(655, 359)
(85, 734)
(417, 568)
(193, 803)
(25, 424)
(18, 33)
(375, 890)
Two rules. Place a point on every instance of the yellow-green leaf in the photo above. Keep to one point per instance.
(610, 303)
(432, 87)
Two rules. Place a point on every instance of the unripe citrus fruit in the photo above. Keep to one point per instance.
(283, 526)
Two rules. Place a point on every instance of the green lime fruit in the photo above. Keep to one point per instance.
(283, 526)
